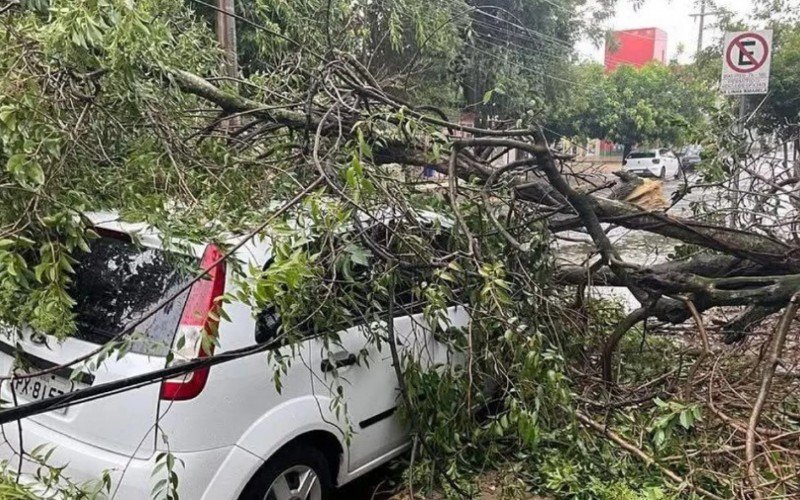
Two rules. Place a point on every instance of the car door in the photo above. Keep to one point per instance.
(353, 369)
(666, 161)
(356, 372)
(356, 375)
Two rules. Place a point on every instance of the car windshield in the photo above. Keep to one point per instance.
(117, 282)
(642, 154)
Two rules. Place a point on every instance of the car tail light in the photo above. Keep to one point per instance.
(197, 320)
(656, 161)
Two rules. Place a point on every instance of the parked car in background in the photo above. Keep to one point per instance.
(690, 157)
(234, 435)
(661, 163)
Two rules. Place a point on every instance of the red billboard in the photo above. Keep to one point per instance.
(636, 47)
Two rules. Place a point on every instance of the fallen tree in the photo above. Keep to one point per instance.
(737, 267)
(729, 277)
(148, 131)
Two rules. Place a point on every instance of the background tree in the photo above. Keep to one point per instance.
(497, 59)
(518, 54)
(776, 114)
(780, 113)
(652, 104)
(656, 104)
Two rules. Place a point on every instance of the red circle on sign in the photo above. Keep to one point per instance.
(736, 43)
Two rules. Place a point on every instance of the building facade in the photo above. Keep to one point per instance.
(636, 47)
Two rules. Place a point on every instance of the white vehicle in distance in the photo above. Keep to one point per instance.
(231, 433)
(661, 163)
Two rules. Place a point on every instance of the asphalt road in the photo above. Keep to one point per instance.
(375, 485)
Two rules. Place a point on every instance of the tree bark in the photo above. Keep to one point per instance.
(755, 247)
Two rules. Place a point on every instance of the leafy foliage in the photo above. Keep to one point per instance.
(781, 112)
(656, 104)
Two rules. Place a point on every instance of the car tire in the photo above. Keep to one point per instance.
(296, 467)
(663, 173)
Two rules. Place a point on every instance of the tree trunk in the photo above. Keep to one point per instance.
(626, 150)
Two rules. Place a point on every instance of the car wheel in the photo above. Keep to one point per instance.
(298, 472)
(663, 173)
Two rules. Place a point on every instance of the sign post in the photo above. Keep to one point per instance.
(746, 58)
(745, 62)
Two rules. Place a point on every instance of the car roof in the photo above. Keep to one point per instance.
(256, 250)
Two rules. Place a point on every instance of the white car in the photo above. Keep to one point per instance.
(231, 433)
(660, 163)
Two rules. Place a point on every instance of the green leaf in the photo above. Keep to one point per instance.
(659, 438)
(35, 173)
(15, 163)
(359, 255)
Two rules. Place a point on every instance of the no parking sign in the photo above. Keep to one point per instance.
(745, 62)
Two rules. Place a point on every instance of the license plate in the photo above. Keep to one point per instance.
(43, 387)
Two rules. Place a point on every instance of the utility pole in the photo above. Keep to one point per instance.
(226, 35)
(701, 28)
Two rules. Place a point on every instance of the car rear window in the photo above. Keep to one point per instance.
(642, 154)
(118, 281)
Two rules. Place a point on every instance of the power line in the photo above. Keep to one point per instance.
(539, 35)
(452, 2)
(127, 384)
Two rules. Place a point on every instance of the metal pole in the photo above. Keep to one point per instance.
(735, 194)
(742, 112)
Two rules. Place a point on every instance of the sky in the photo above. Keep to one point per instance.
(672, 16)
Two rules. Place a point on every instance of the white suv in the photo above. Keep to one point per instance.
(231, 433)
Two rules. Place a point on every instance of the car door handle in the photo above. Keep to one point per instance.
(338, 360)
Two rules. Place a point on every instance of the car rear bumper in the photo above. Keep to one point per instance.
(654, 171)
(220, 473)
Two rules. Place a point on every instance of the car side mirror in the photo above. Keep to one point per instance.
(268, 322)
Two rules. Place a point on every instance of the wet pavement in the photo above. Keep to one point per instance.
(637, 247)
(634, 246)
